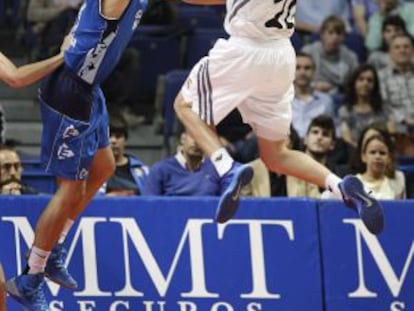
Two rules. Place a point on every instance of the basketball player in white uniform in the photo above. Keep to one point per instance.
(253, 71)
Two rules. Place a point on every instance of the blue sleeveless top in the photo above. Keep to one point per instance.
(98, 42)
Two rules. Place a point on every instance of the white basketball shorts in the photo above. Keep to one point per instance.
(254, 76)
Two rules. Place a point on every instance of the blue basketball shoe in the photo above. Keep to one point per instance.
(369, 209)
(233, 181)
(27, 289)
(55, 268)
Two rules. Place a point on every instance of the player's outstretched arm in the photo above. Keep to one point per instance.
(25, 75)
(18, 77)
(205, 2)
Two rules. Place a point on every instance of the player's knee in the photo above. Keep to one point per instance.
(67, 200)
(273, 160)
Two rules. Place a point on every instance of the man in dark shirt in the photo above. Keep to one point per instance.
(130, 172)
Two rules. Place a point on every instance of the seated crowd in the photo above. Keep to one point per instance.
(352, 112)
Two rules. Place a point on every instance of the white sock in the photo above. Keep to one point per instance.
(37, 260)
(66, 228)
(222, 161)
(331, 183)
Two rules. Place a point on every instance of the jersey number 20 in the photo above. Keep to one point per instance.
(283, 19)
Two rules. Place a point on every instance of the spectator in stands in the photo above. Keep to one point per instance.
(405, 10)
(308, 102)
(392, 26)
(159, 12)
(120, 88)
(333, 60)
(397, 83)
(311, 13)
(51, 20)
(188, 173)
(130, 173)
(362, 10)
(376, 128)
(319, 142)
(363, 104)
(2, 126)
(11, 174)
(375, 155)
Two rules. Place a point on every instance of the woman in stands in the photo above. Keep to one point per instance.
(375, 164)
(362, 105)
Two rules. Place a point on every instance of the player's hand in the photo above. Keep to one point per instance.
(12, 188)
(66, 43)
(409, 121)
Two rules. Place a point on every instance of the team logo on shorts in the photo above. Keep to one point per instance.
(189, 82)
(137, 20)
(64, 152)
(83, 173)
(70, 131)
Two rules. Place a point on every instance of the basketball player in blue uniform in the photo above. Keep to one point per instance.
(75, 139)
(253, 71)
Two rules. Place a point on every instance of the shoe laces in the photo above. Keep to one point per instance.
(37, 296)
(58, 257)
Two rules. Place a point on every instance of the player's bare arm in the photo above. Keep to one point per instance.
(205, 2)
(18, 77)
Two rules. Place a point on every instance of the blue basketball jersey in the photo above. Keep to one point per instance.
(98, 42)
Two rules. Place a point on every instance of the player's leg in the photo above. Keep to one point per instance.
(2, 290)
(27, 288)
(102, 167)
(233, 176)
(204, 134)
(278, 158)
(199, 108)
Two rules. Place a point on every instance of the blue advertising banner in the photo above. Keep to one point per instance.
(167, 254)
(363, 272)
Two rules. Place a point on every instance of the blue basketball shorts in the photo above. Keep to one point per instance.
(70, 137)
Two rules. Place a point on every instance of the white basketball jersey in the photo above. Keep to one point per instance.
(260, 19)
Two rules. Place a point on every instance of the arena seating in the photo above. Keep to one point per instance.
(39, 180)
(199, 16)
(158, 55)
(172, 85)
(200, 42)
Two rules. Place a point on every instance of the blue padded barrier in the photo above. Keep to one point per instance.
(129, 253)
(157, 56)
(167, 254)
(173, 83)
(39, 180)
(364, 272)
